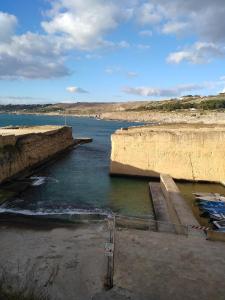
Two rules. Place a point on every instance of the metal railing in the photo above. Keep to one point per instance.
(151, 224)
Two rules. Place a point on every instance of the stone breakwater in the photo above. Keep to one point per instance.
(23, 148)
(184, 151)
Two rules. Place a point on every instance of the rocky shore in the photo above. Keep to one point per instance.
(185, 116)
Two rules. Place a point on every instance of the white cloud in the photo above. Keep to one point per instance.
(31, 56)
(163, 92)
(75, 90)
(203, 19)
(147, 13)
(145, 33)
(175, 28)
(83, 24)
(197, 54)
(8, 25)
(69, 25)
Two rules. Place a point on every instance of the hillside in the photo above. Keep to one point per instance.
(207, 109)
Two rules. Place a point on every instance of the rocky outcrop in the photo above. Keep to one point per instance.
(184, 151)
(22, 148)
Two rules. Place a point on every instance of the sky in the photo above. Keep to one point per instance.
(110, 50)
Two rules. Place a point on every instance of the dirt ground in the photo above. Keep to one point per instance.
(70, 263)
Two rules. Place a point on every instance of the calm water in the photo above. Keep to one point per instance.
(79, 180)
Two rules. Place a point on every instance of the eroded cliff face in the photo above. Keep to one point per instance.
(23, 148)
(184, 151)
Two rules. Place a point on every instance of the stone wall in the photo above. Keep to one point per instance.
(24, 151)
(184, 151)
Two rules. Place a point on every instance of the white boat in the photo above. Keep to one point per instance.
(213, 197)
(199, 194)
(217, 217)
(220, 225)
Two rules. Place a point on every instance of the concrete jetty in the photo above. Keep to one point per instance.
(23, 148)
(184, 151)
(172, 213)
(178, 208)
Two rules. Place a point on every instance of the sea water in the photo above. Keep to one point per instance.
(78, 181)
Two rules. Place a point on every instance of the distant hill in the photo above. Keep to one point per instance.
(188, 102)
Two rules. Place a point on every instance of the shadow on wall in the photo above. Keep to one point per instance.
(123, 169)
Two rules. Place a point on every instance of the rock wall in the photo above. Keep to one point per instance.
(24, 151)
(184, 151)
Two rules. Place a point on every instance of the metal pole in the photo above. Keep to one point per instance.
(110, 252)
(65, 120)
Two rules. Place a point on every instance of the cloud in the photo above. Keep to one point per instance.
(163, 92)
(92, 56)
(31, 56)
(77, 25)
(148, 13)
(69, 25)
(203, 19)
(197, 54)
(75, 90)
(7, 24)
(83, 24)
(22, 100)
(145, 33)
(178, 28)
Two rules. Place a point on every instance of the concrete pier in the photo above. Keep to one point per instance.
(26, 147)
(159, 202)
(184, 151)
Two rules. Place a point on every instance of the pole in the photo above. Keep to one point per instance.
(110, 252)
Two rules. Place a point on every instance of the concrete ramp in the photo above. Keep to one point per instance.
(159, 202)
(179, 210)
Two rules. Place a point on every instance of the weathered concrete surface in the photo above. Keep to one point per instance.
(184, 151)
(179, 210)
(151, 265)
(68, 263)
(164, 222)
(22, 148)
(159, 203)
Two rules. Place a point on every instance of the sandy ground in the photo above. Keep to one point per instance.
(69, 263)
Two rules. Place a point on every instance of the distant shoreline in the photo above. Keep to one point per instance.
(187, 116)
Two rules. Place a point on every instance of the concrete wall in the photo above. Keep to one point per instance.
(184, 151)
(23, 152)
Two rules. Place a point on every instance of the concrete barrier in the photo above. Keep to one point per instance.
(213, 235)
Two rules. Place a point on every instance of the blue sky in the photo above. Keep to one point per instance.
(98, 50)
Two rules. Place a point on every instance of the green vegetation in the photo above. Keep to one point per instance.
(17, 107)
(85, 108)
(13, 288)
(171, 105)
